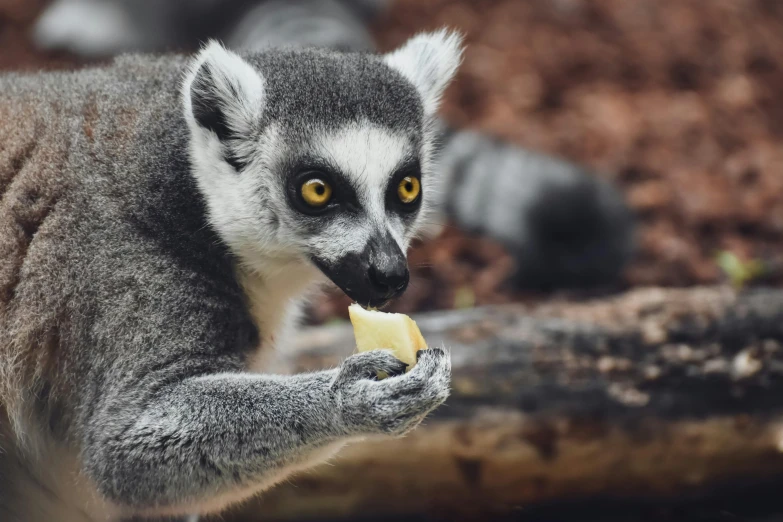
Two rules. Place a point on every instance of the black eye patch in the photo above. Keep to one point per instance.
(406, 177)
(343, 195)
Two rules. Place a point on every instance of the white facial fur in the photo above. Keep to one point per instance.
(368, 156)
(233, 209)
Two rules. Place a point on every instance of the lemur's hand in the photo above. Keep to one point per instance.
(394, 405)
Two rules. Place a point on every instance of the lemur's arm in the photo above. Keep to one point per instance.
(167, 419)
(203, 437)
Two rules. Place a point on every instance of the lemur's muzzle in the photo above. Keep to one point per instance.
(373, 276)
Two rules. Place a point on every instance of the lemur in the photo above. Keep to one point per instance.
(158, 237)
(564, 226)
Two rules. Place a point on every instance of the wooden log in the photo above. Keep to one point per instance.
(655, 394)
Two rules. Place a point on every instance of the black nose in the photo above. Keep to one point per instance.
(372, 277)
(388, 280)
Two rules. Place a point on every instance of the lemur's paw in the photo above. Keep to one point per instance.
(397, 404)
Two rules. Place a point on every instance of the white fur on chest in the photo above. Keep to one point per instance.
(275, 297)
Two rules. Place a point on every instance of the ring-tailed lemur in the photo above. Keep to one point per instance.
(155, 244)
(564, 226)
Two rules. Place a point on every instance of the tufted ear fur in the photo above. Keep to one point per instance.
(224, 95)
(429, 61)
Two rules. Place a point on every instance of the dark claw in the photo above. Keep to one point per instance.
(399, 370)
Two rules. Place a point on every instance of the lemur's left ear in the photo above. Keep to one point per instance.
(224, 94)
(429, 61)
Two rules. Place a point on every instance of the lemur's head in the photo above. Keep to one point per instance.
(318, 157)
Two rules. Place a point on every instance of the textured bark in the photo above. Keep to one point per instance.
(655, 394)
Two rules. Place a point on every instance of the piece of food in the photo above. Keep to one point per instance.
(376, 330)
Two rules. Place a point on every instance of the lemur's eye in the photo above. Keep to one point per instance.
(316, 192)
(408, 189)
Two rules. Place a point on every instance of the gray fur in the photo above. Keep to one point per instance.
(301, 98)
(130, 326)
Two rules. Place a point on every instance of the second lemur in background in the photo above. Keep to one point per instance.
(564, 227)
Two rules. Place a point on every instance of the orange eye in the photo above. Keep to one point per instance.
(316, 192)
(408, 189)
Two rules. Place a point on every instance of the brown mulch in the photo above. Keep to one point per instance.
(677, 101)
(16, 49)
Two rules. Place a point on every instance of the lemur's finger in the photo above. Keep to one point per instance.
(366, 365)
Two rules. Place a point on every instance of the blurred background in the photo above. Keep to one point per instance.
(665, 118)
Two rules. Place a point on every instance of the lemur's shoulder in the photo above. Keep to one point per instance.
(99, 214)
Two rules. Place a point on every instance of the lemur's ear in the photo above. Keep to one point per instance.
(429, 61)
(225, 94)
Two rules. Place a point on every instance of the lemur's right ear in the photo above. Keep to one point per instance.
(225, 96)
